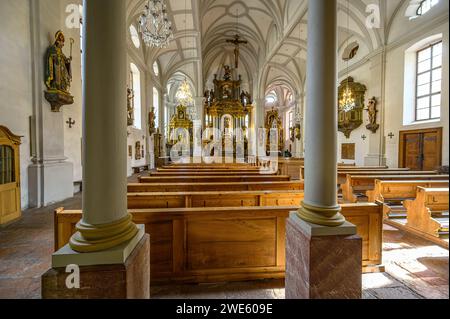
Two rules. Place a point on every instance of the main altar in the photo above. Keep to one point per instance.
(228, 111)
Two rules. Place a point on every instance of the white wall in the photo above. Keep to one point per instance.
(15, 74)
(395, 101)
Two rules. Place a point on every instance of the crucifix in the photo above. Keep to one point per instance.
(236, 41)
(70, 122)
(391, 135)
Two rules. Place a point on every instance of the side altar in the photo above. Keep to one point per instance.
(228, 110)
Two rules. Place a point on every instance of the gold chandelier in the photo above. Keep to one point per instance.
(184, 94)
(347, 102)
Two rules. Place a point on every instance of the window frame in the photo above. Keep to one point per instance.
(430, 95)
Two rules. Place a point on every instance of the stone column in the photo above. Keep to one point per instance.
(323, 252)
(106, 222)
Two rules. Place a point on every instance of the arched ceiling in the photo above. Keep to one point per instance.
(276, 31)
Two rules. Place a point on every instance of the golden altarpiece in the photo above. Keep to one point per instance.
(228, 110)
(180, 128)
(273, 121)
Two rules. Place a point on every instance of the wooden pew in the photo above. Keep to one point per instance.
(207, 173)
(427, 215)
(360, 184)
(214, 199)
(213, 179)
(393, 193)
(199, 245)
(342, 174)
(252, 169)
(386, 191)
(357, 168)
(207, 166)
(228, 186)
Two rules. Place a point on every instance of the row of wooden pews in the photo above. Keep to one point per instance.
(214, 226)
(415, 201)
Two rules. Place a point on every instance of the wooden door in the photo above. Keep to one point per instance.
(10, 207)
(421, 150)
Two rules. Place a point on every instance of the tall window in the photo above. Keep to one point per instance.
(156, 106)
(135, 85)
(429, 75)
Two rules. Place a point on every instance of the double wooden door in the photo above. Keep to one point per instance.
(421, 150)
(10, 207)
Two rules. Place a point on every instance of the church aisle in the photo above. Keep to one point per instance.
(415, 268)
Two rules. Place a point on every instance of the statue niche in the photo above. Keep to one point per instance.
(58, 74)
(351, 106)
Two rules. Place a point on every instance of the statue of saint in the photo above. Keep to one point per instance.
(227, 75)
(372, 109)
(130, 107)
(58, 72)
(151, 121)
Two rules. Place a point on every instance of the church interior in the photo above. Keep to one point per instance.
(224, 149)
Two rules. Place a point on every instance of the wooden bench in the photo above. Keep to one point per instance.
(228, 186)
(214, 199)
(358, 185)
(207, 173)
(342, 174)
(354, 169)
(199, 245)
(427, 215)
(213, 179)
(393, 193)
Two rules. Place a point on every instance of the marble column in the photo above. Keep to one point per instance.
(106, 222)
(323, 252)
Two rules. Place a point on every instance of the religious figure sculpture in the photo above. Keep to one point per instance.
(58, 74)
(372, 110)
(138, 154)
(151, 121)
(130, 107)
(236, 41)
(227, 75)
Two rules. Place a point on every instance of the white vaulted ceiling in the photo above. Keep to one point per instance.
(276, 31)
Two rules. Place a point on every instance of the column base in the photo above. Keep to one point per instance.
(127, 280)
(374, 160)
(322, 262)
(324, 216)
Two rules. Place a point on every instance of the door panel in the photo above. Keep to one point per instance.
(413, 152)
(430, 151)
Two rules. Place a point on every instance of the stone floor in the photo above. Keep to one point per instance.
(415, 268)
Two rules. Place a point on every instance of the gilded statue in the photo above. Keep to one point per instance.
(130, 107)
(58, 73)
(151, 121)
(372, 111)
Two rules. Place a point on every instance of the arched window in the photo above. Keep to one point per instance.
(156, 68)
(156, 106)
(135, 37)
(135, 85)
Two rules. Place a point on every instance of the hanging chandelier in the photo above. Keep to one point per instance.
(347, 102)
(154, 25)
(184, 94)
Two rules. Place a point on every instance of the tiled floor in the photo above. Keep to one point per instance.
(415, 268)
